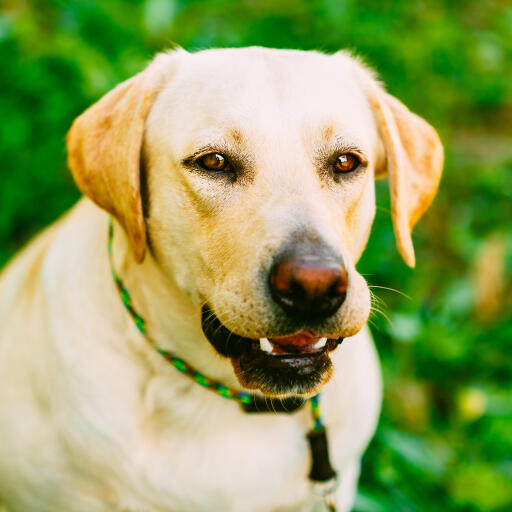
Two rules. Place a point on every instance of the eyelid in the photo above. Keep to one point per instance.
(356, 153)
(208, 151)
(196, 155)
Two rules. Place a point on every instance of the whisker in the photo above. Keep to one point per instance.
(377, 300)
(390, 289)
(379, 311)
(373, 324)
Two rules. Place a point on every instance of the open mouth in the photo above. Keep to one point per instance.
(296, 364)
(300, 343)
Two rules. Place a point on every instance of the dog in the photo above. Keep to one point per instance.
(240, 184)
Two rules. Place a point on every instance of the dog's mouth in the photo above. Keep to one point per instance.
(299, 344)
(295, 364)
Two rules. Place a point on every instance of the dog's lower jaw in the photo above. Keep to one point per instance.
(304, 377)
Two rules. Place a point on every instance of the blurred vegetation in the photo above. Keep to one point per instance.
(445, 437)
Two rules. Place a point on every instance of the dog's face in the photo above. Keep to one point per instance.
(259, 171)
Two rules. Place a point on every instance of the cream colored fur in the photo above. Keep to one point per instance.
(92, 419)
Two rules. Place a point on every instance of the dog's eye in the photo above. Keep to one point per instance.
(214, 162)
(346, 163)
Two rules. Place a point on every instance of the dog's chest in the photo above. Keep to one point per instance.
(223, 459)
(193, 450)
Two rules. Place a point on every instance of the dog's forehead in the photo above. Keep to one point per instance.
(258, 90)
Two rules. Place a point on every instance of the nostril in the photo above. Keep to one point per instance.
(282, 279)
(340, 282)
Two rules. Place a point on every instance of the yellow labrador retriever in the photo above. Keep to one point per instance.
(241, 184)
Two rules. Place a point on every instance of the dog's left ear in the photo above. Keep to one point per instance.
(104, 153)
(414, 161)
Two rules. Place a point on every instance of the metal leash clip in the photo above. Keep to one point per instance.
(327, 492)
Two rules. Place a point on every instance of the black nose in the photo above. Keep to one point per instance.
(308, 287)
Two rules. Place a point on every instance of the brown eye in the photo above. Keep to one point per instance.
(346, 163)
(214, 162)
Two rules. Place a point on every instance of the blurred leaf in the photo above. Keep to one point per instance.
(482, 486)
(404, 327)
(416, 452)
(159, 15)
(367, 503)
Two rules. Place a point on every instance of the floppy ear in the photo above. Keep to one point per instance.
(414, 161)
(104, 152)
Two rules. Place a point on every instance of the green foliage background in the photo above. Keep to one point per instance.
(445, 437)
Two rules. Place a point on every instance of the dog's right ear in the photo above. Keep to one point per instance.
(104, 151)
(414, 162)
(413, 157)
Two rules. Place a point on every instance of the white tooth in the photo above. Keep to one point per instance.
(320, 343)
(265, 345)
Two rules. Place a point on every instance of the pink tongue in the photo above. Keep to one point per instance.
(300, 339)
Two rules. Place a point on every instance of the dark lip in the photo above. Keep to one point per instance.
(221, 338)
(296, 372)
(229, 344)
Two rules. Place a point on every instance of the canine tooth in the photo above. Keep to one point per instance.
(320, 343)
(265, 345)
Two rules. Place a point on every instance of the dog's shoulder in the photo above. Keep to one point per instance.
(21, 277)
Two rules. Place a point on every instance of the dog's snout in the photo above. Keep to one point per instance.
(309, 287)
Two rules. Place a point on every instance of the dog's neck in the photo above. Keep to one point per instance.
(155, 290)
(172, 316)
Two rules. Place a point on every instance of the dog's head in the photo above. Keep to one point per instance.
(258, 187)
